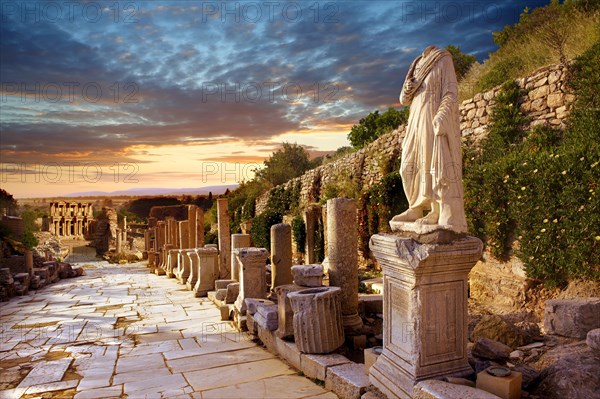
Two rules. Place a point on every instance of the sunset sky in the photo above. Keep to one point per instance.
(189, 94)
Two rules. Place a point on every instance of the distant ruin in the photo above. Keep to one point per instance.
(69, 219)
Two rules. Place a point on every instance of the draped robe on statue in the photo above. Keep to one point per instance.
(432, 164)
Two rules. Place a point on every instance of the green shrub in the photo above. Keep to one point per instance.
(538, 188)
(378, 205)
(319, 240)
(261, 227)
(29, 240)
(211, 238)
(284, 201)
(299, 233)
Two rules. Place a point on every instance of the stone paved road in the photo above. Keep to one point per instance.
(120, 332)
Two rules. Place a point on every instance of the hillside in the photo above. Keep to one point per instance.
(543, 36)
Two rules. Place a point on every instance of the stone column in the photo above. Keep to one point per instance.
(237, 241)
(184, 267)
(200, 228)
(160, 237)
(342, 258)
(194, 263)
(171, 268)
(169, 230)
(208, 270)
(192, 227)
(224, 237)
(184, 235)
(124, 223)
(175, 233)
(252, 275)
(146, 240)
(119, 248)
(162, 270)
(424, 310)
(311, 219)
(317, 319)
(281, 255)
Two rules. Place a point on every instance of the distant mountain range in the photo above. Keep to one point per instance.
(156, 191)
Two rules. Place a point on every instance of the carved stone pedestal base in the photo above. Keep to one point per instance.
(425, 311)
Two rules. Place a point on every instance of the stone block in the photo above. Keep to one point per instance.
(358, 341)
(221, 294)
(251, 324)
(572, 317)
(225, 312)
(286, 313)
(435, 389)
(539, 104)
(233, 290)
(289, 352)
(220, 284)
(593, 340)
(253, 283)
(556, 100)
(347, 381)
(371, 355)
(315, 366)
(496, 328)
(308, 275)
(253, 303)
(489, 349)
(267, 337)
(508, 387)
(266, 317)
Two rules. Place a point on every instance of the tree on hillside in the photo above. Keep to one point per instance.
(7, 203)
(284, 164)
(462, 61)
(375, 125)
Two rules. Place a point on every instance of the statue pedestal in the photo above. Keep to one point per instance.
(425, 310)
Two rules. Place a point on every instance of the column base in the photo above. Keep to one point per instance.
(352, 324)
(397, 383)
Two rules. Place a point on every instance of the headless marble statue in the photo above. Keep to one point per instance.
(431, 154)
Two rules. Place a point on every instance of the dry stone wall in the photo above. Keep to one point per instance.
(546, 101)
